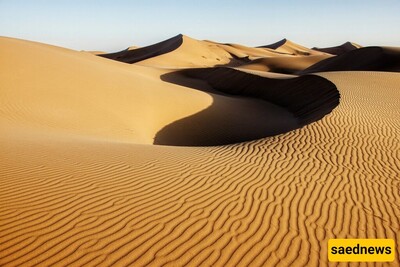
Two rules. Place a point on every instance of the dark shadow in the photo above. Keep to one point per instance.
(181, 78)
(228, 120)
(308, 97)
(139, 54)
(373, 58)
(274, 45)
(252, 107)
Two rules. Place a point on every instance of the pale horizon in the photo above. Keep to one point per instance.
(116, 25)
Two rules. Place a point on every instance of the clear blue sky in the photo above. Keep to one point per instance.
(112, 25)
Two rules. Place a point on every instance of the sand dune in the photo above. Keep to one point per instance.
(187, 52)
(340, 49)
(191, 53)
(139, 54)
(197, 53)
(241, 51)
(275, 201)
(366, 58)
(182, 51)
(308, 97)
(94, 99)
(289, 47)
(83, 184)
(284, 64)
(104, 109)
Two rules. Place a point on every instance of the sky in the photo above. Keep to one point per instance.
(113, 25)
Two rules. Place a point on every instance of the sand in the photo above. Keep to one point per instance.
(288, 47)
(82, 182)
(340, 49)
(373, 58)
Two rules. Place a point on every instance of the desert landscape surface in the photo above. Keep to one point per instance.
(196, 153)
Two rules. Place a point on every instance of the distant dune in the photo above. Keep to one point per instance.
(139, 54)
(338, 50)
(196, 153)
(289, 47)
(284, 64)
(184, 52)
(366, 58)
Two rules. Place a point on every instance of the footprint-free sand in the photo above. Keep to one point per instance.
(194, 153)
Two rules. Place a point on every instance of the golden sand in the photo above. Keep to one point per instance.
(82, 183)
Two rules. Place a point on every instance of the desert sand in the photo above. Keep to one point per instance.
(340, 49)
(189, 152)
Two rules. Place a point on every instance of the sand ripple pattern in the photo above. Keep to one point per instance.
(271, 202)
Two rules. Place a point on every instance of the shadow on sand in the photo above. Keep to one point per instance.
(246, 107)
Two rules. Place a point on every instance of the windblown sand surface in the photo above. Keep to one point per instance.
(83, 181)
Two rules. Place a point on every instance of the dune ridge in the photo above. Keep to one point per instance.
(71, 202)
(373, 58)
(104, 109)
(289, 47)
(81, 182)
(275, 45)
(130, 55)
(338, 50)
(309, 98)
(182, 51)
(283, 64)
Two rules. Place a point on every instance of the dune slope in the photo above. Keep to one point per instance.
(60, 90)
(81, 183)
(182, 51)
(275, 201)
(365, 58)
(309, 98)
(338, 50)
(283, 64)
(289, 47)
(130, 55)
(110, 100)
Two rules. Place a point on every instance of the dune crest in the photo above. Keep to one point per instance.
(101, 98)
(284, 64)
(340, 49)
(275, 201)
(289, 47)
(182, 51)
(130, 55)
(131, 104)
(82, 183)
(309, 98)
(373, 58)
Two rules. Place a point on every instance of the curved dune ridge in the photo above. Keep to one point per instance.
(372, 58)
(82, 183)
(275, 45)
(182, 51)
(309, 97)
(105, 109)
(340, 49)
(130, 55)
(283, 64)
(287, 46)
(276, 201)
(197, 53)
(99, 99)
